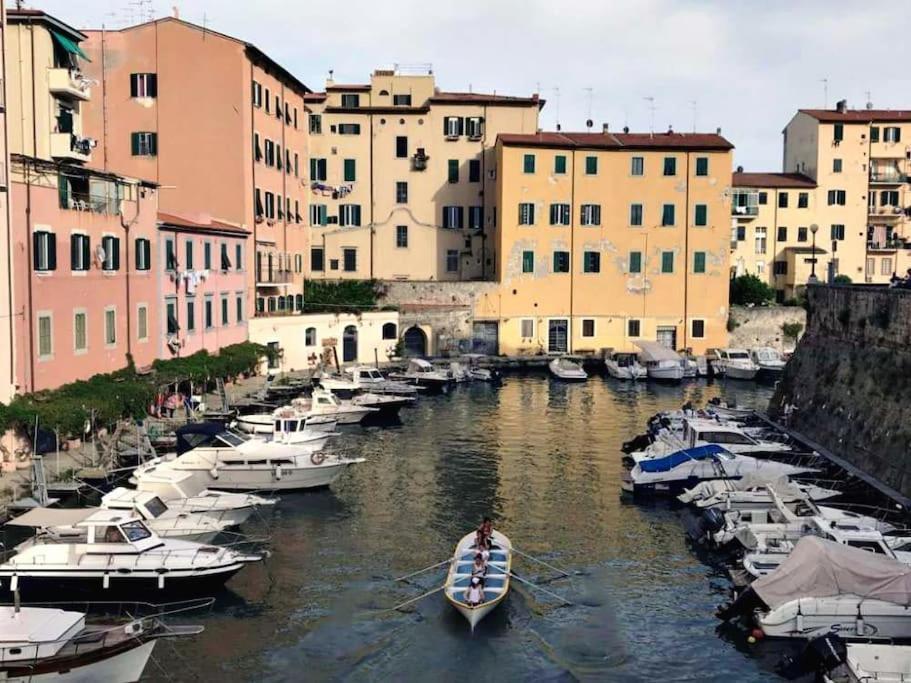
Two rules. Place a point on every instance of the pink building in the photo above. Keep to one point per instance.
(202, 284)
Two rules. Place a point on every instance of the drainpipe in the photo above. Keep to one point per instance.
(484, 195)
(686, 256)
(126, 227)
(104, 100)
(572, 251)
(253, 180)
(284, 183)
(9, 228)
(28, 264)
(372, 226)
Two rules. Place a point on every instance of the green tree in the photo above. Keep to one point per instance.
(842, 280)
(749, 289)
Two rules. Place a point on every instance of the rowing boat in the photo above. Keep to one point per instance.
(496, 582)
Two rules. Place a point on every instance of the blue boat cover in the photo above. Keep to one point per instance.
(671, 461)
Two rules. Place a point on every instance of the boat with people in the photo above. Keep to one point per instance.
(422, 373)
(41, 643)
(624, 365)
(770, 362)
(491, 586)
(116, 552)
(737, 363)
(661, 363)
(567, 370)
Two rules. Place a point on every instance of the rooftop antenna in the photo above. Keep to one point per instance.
(557, 105)
(651, 109)
(825, 93)
(205, 21)
(869, 99)
(694, 105)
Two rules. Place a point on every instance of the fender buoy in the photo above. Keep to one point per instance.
(318, 458)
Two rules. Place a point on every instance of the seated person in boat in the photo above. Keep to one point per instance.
(479, 566)
(485, 532)
(481, 542)
(474, 594)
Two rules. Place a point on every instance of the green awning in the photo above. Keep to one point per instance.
(69, 45)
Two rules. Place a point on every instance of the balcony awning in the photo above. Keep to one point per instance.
(69, 46)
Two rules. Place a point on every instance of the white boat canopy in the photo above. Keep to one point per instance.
(653, 351)
(41, 518)
(818, 568)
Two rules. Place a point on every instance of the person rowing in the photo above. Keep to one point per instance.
(474, 594)
(479, 566)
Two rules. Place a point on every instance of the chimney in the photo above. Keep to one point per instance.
(740, 169)
(718, 130)
(175, 11)
(559, 128)
(841, 106)
(330, 80)
(670, 129)
(604, 127)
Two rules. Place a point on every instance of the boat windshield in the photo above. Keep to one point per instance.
(738, 355)
(135, 531)
(232, 438)
(766, 354)
(374, 374)
(155, 507)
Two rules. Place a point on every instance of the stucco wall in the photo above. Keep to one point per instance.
(762, 326)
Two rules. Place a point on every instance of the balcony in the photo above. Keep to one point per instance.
(69, 83)
(748, 211)
(71, 147)
(78, 201)
(886, 212)
(275, 278)
(891, 177)
(419, 161)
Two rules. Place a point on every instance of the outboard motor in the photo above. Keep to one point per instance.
(820, 655)
(712, 520)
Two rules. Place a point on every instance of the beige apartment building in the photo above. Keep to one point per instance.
(403, 175)
(606, 239)
(221, 127)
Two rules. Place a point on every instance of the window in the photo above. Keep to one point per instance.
(782, 200)
(803, 200)
(452, 217)
(802, 234)
(780, 267)
(169, 256)
(316, 259)
(257, 150)
(702, 166)
(44, 248)
(670, 166)
(702, 215)
(475, 217)
(892, 134)
(317, 169)
(699, 262)
(208, 318)
(267, 100)
(111, 246)
(697, 328)
(171, 315)
(143, 249)
(741, 233)
(473, 127)
(257, 94)
(635, 262)
(763, 198)
(474, 170)
(559, 164)
(45, 336)
(207, 255)
(270, 205)
(80, 257)
(782, 235)
(874, 134)
(667, 262)
(316, 124)
(889, 198)
(591, 214)
(310, 336)
(401, 236)
(143, 85)
(401, 100)
(528, 163)
(401, 192)
(637, 166)
(591, 165)
(144, 144)
(633, 328)
(142, 322)
(191, 313)
(349, 214)
(80, 339)
(836, 197)
(239, 306)
(453, 170)
(635, 214)
(349, 259)
(350, 170)
(225, 261)
(188, 257)
(838, 132)
(452, 126)
(885, 266)
(591, 262)
(559, 214)
(760, 240)
(278, 107)
(526, 213)
(837, 231)
(349, 129)
(401, 147)
(528, 262)
(110, 326)
(452, 261)
(667, 214)
(319, 214)
(527, 328)
(588, 327)
(836, 165)
(561, 261)
(351, 101)
(224, 309)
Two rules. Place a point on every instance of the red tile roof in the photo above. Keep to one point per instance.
(795, 180)
(361, 87)
(859, 115)
(315, 97)
(201, 223)
(483, 98)
(705, 141)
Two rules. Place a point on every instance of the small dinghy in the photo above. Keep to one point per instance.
(567, 370)
(496, 578)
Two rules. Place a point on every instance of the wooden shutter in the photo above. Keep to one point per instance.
(152, 83)
(134, 85)
(86, 257)
(51, 251)
(134, 143)
(75, 248)
(115, 245)
(321, 164)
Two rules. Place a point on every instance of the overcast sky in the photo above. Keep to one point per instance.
(743, 66)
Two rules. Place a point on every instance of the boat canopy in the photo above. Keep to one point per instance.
(420, 364)
(42, 518)
(195, 434)
(669, 462)
(818, 568)
(653, 351)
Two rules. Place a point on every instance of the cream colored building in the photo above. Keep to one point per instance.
(606, 239)
(402, 177)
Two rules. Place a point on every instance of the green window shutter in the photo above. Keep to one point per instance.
(554, 214)
(699, 262)
(116, 246)
(350, 170)
(528, 261)
(75, 247)
(591, 165)
(313, 163)
(667, 262)
(453, 170)
(702, 166)
(667, 215)
(63, 190)
(560, 164)
(52, 251)
(85, 252)
(528, 163)
(134, 143)
(701, 214)
(635, 262)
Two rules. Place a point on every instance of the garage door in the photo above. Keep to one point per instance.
(485, 338)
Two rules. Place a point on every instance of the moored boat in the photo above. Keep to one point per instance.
(624, 366)
(567, 370)
(662, 363)
(496, 579)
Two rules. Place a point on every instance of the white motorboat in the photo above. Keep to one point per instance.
(365, 378)
(685, 469)
(869, 662)
(769, 361)
(459, 372)
(44, 644)
(385, 404)
(690, 367)
(737, 364)
(421, 373)
(703, 367)
(567, 370)
(624, 366)
(660, 362)
(117, 552)
(165, 520)
(751, 493)
(223, 460)
(495, 580)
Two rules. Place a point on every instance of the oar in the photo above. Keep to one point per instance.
(425, 569)
(543, 590)
(408, 602)
(535, 559)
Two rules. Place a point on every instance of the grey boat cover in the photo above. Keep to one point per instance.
(819, 568)
(653, 351)
(706, 489)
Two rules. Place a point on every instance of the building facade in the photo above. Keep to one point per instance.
(7, 328)
(403, 177)
(226, 138)
(605, 239)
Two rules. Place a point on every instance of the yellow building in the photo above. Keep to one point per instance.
(402, 177)
(605, 239)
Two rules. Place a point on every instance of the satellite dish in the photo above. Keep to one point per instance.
(589, 123)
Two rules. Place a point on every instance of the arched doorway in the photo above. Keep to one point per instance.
(415, 342)
(349, 344)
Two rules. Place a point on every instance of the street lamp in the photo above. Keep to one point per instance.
(812, 280)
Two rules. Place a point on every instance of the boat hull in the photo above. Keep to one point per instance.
(666, 374)
(117, 666)
(734, 372)
(267, 479)
(851, 619)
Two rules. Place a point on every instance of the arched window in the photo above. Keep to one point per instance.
(299, 302)
(384, 93)
(390, 331)
(310, 336)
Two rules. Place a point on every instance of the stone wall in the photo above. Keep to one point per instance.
(850, 379)
(761, 326)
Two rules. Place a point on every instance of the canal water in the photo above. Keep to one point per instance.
(543, 459)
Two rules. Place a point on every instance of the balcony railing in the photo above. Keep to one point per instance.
(748, 210)
(890, 177)
(886, 211)
(71, 146)
(274, 278)
(70, 83)
(79, 201)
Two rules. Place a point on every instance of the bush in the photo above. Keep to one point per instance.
(732, 323)
(842, 280)
(345, 296)
(791, 330)
(749, 289)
